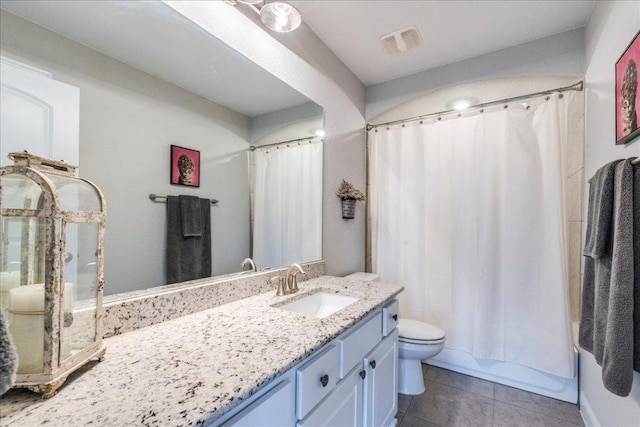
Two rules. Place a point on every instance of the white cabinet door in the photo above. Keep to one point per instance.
(274, 409)
(342, 408)
(381, 383)
(38, 114)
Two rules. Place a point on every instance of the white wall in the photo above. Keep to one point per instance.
(128, 120)
(611, 28)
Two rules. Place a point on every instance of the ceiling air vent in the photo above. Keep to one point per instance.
(401, 40)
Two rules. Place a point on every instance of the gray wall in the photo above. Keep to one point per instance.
(128, 120)
(557, 55)
(611, 28)
(290, 123)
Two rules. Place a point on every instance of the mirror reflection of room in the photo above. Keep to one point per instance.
(129, 99)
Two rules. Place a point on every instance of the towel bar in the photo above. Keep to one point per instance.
(153, 197)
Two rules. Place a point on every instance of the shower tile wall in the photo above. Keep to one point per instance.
(574, 170)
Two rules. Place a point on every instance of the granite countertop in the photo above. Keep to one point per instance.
(194, 369)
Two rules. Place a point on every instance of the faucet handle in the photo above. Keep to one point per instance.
(293, 282)
(292, 279)
(281, 283)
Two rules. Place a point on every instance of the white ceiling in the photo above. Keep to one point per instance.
(451, 30)
(156, 39)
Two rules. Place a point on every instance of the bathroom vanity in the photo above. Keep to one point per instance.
(247, 360)
(352, 381)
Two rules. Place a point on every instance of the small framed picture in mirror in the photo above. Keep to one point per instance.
(185, 166)
(627, 96)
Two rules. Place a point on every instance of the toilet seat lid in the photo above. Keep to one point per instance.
(416, 330)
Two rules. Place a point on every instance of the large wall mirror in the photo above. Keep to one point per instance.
(148, 78)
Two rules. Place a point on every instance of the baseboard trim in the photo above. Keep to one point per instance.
(588, 416)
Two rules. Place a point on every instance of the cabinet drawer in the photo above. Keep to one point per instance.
(342, 408)
(275, 409)
(316, 379)
(389, 317)
(358, 343)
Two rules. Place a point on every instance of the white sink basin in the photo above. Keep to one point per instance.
(319, 305)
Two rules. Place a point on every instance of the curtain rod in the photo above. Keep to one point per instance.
(299, 140)
(577, 87)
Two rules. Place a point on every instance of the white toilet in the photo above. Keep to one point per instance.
(418, 341)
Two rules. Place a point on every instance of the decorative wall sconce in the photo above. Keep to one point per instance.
(51, 269)
(349, 196)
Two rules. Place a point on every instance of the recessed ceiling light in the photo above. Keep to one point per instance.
(319, 132)
(460, 104)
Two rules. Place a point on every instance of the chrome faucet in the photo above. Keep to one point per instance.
(292, 277)
(249, 261)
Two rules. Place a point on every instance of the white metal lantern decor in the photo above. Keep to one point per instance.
(51, 269)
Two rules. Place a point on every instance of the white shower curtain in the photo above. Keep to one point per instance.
(287, 223)
(467, 213)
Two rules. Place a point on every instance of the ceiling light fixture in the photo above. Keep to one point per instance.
(319, 132)
(460, 104)
(278, 16)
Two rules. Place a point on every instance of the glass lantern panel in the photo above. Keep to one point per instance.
(79, 298)
(75, 194)
(22, 267)
(19, 192)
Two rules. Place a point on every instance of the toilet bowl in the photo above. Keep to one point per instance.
(417, 341)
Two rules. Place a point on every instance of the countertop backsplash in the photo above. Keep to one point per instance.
(138, 309)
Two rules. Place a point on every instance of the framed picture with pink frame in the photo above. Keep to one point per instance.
(627, 96)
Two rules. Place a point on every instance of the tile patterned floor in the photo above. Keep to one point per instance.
(453, 399)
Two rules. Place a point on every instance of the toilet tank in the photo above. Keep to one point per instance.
(367, 277)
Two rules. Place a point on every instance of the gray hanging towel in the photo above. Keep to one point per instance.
(599, 219)
(636, 268)
(607, 321)
(191, 216)
(188, 257)
(8, 361)
(600, 212)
